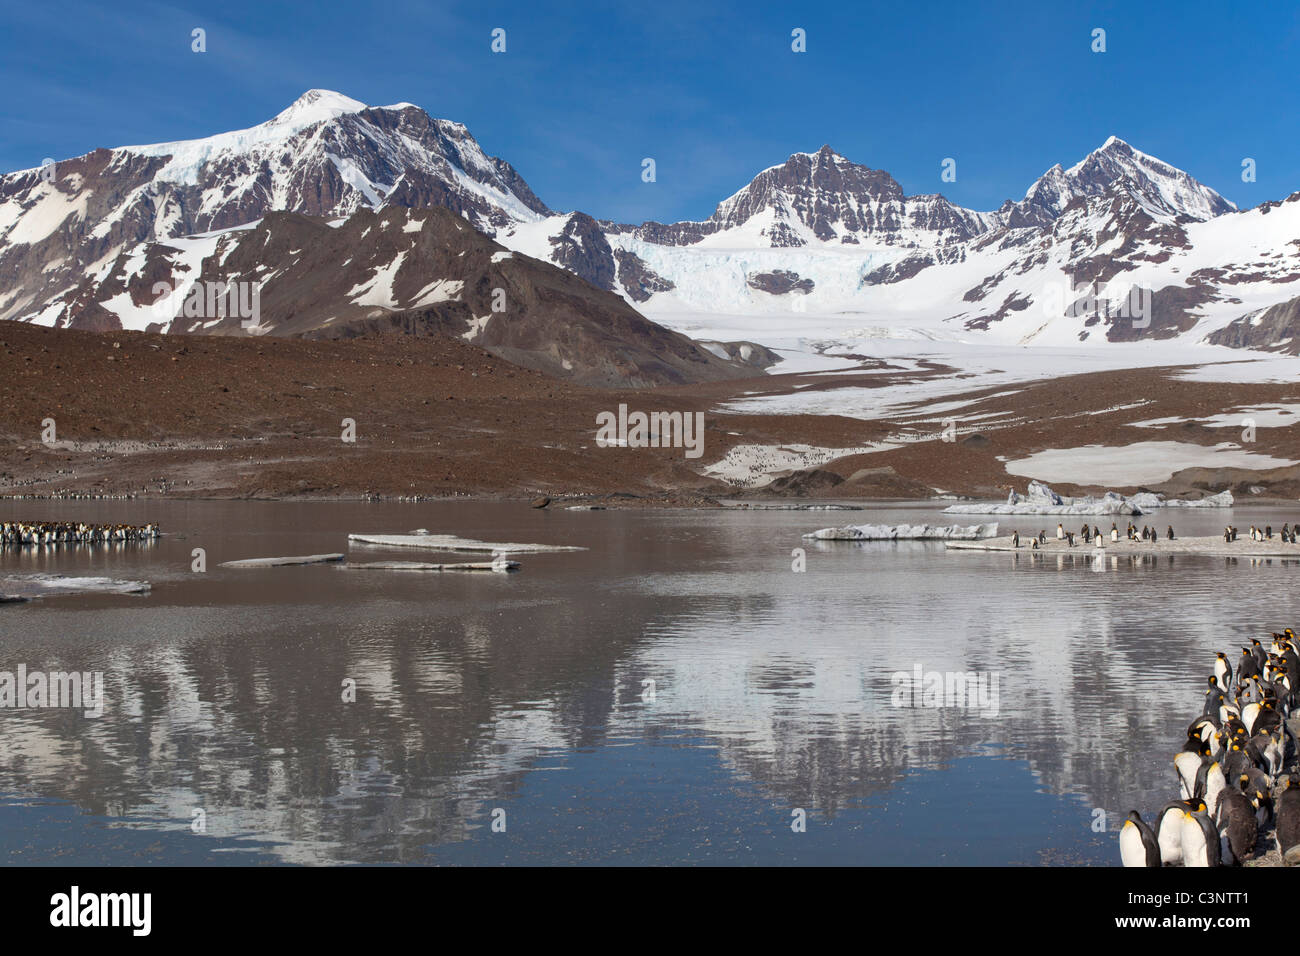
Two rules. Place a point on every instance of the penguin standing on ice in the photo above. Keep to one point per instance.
(1114, 532)
(1171, 532)
(1137, 843)
(1060, 532)
(1015, 539)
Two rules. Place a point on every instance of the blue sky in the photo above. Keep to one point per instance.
(712, 91)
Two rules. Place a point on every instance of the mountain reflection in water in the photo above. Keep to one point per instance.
(529, 693)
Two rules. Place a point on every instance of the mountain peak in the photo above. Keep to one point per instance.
(1117, 149)
(1161, 189)
(315, 106)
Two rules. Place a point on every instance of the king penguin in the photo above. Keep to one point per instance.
(1169, 830)
(1210, 784)
(1288, 822)
(1248, 666)
(1137, 843)
(1200, 840)
(1238, 825)
(1189, 767)
(1223, 670)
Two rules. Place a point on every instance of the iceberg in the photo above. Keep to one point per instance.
(1040, 499)
(905, 532)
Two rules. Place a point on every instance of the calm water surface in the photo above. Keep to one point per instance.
(526, 694)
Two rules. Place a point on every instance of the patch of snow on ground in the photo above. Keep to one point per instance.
(752, 466)
(1265, 416)
(1140, 463)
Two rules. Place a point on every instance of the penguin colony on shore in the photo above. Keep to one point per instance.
(1237, 751)
(18, 534)
(1090, 534)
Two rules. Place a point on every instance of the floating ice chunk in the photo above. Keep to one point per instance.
(905, 532)
(421, 566)
(279, 562)
(450, 542)
(36, 585)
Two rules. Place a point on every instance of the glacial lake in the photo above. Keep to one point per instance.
(770, 734)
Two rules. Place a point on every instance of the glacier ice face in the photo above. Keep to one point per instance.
(905, 532)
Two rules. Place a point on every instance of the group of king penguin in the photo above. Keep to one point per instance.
(1237, 771)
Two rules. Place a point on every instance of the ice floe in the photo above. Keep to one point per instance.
(422, 566)
(905, 532)
(450, 542)
(281, 562)
(38, 585)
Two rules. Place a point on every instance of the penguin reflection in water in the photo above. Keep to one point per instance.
(1237, 755)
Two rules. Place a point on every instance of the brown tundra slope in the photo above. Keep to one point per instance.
(230, 416)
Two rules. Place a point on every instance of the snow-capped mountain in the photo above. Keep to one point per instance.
(817, 235)
(408, 271)
(1118, 247)
(326, 155)
(822, 197)
(1159, 188)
